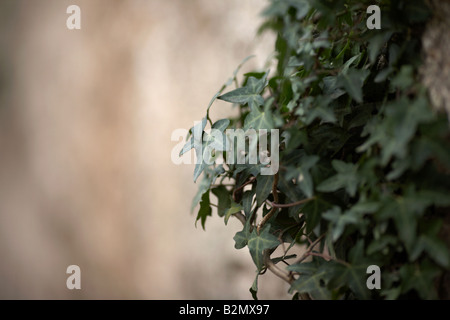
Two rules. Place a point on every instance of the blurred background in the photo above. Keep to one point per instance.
(86, 176)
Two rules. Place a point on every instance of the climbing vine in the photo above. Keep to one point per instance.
(364, 161)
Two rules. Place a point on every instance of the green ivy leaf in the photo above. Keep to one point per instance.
(394, 133)
(304, 179)
(258, 243)
(312, 280)
(254, 288)
(205, 210)
(263, 188)
(405, 212)
(235, 208)
(247, 201)
(224, 199)
(250, 94)
(205, 184)
(419, 278)
(258, 119)
(241, 237)
(340, 221)
(210, 144)
(346, 177)
(313, 212)
(353, 81)
(331, 87)
(355, 272)
(435, 248)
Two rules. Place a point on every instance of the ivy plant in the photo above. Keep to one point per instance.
(364, 161)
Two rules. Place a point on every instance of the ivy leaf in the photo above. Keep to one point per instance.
(208, 179)
(340, 221)
(226, 84)
(312, 280)
(293, 138)
(318, 107)
(376, 43)
(353, 216)
(419, 278)
(281, 7)
(381, 243)
(247, 201)
(351, 275)
(312, 284)
(404, 78)
(321, 109)
(223, 197)
(254, 288)
(331, 88)
(196, 138)
(303, 268)
(258, 119)
(430, 243)
(355, 272)
(291, 191)
(205, 210)
(258, 243)
(313, 212)
(235, 208)
(353, 81)
(405, 212)
(304, 179)
(435, 248)
(263, 188)
(210, 144)
(393, 134)
(250, 94)
(196, 142)
(346, 177)
(241, 237)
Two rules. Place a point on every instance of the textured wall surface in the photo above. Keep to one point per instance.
(436, 44)
(86, 176)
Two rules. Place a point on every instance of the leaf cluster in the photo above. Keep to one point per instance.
(364, 160)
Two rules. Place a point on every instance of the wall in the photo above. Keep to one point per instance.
(86, 118)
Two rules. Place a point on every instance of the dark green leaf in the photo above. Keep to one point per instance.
(241, 237)
(205, 209)
(312, 280)
(250, 94)
(263, 188)
(353, 81)
(313, 212)
(224, 200)
(419, 278)
(340, 221)
(235, 208)
(346, 177)
(254, 288)
(258, 119)
(258, 243)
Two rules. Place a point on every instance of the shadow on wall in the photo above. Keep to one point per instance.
(86, 118)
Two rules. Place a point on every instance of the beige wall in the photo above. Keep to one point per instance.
(86, 119)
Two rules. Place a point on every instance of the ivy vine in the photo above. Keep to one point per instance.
(364, 160)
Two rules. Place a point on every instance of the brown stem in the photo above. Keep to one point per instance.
(242, 186)
(328, 257)
(310, 252)
(288, 205)
(288, 277)
(240, 217)
(310, 248)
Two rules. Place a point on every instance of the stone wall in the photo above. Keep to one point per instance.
(86, 176)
